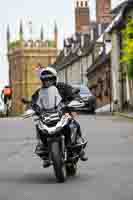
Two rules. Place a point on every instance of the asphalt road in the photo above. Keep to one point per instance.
(107, 175)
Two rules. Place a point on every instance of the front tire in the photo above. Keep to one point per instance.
(59, 167)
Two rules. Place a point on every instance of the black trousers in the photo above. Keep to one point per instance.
(6, 98)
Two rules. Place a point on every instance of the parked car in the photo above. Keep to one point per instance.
(88, 98)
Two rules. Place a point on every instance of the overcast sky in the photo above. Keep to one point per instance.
(39, 12)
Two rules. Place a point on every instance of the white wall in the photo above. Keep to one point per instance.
(76, 72)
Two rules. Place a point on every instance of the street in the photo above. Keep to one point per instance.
(107, 175)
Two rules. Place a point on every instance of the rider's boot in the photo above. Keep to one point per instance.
(46, 163)
(83, 156)
(80, 140)
(39, 148)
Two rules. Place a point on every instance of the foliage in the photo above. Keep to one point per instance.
(15, 44)
(128, 48)
(51, 43)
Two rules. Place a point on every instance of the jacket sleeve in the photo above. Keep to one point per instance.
(34, 97)
(67, 92)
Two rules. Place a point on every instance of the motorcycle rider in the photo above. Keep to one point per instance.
(6, 95)
(54, 95)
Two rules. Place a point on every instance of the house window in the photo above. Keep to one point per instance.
(81, 3)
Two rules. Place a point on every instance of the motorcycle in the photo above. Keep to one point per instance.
(63, 156)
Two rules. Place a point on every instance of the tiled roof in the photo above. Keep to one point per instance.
(118, 21)
(120, 6)
(63, 61)
(79, 49)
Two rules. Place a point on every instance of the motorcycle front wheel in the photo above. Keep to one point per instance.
(59, 167)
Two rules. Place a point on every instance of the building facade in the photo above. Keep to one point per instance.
(99, 79)
(23, 57)
(122, 90)
(72, 62)
(84, 59)
(89, 65)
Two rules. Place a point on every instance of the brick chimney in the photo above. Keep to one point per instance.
(103, 8)
(82, 16)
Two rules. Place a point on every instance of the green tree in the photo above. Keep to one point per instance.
(128, 48)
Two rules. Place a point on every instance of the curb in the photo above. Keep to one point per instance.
(123, 115)
(10, 118)
(104, 114)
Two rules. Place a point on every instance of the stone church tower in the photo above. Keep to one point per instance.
(103, 8)
(23, 57)
(82, 16)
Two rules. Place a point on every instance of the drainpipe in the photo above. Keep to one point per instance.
(110, 86)
(128, 91)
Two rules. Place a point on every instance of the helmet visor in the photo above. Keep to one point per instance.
(46, 77)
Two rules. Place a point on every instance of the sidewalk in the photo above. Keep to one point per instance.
(105, 110)
(128, 115)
